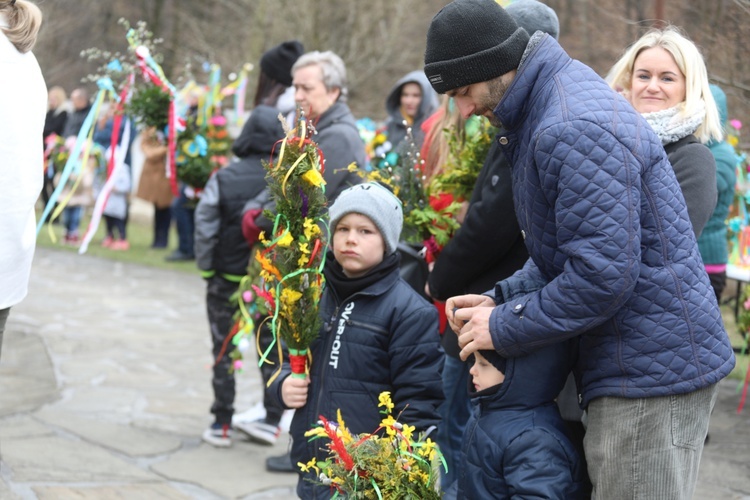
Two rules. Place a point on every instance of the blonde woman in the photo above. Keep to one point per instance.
(664, 77)
(23, 104)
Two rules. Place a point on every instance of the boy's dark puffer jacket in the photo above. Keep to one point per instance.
(383, 338)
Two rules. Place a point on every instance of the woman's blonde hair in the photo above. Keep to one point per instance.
(24, 20)
(690, 61)
(59, 94)
(437, 138)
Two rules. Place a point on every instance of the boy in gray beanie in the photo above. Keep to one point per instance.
(607, 231)
(377, 334)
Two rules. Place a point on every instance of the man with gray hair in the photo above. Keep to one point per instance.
(607, 230)
(320, 85)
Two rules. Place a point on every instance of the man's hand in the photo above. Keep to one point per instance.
(294, 391)
(462, 302)
(475, 334)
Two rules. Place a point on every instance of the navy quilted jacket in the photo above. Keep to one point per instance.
(607, 229)
(515, 444)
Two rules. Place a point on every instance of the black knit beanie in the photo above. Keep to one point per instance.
(495, 360)
(278, 61)
(471, 41)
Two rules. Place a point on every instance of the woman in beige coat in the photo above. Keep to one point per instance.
(154, 184)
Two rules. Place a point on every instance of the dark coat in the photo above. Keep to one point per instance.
(515, 444)
(338, 139)
(382, 338)
(488, 247)
(54, 122)
(695, 169)
(608, 230)
(219, 243)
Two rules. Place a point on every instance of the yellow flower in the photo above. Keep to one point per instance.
(316, 432)
(286, 239)
(427, 449)
(290, 297)
(343, 431)
(389, 424)
(352, 167)
(311, 465)
(314, 178)
(311, 228)
(407, 431)
(303, 248)
(384, 399)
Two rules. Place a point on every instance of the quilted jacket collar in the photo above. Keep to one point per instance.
(538, 68)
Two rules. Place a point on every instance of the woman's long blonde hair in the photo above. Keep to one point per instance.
(690, 61)
(24, 20)
(437, 139)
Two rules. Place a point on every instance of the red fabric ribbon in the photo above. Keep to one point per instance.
(298, 363)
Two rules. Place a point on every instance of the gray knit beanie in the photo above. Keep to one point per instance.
(534, 16)
(471, 41)
(376, 203)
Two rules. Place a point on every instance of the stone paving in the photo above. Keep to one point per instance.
(105, 390)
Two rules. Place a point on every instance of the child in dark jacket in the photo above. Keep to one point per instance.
(222, 254)
(378, 334)
(515, 443)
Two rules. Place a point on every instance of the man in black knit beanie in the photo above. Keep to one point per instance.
(607, 229)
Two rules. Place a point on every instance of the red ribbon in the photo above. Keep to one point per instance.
(172, 146)
(298, 363)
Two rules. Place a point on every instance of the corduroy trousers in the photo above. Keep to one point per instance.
(648, 448)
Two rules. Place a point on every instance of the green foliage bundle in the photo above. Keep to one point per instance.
(293, 255)
(467, 152)
(391, 462)
(150, 106)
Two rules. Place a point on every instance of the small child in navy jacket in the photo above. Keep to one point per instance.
(378, 334)
(515, 443)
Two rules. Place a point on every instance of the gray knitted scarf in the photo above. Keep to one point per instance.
(673, 124)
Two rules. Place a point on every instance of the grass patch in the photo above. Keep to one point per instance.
(140, 235)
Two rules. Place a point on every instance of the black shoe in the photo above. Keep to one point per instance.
(178, 256)
(281, 463)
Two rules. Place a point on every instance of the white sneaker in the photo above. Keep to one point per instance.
(218, 435)
(256, 412)
(259, 431)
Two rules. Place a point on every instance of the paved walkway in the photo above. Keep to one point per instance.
(105, 390)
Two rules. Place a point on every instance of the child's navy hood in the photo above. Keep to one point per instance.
(532, 380)
(261, 131)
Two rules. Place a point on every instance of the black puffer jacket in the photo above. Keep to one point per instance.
(219, 243)
(382, 338)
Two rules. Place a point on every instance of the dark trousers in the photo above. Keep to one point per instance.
(718, 283)
(162, 220)
(183, 213)
(113, 223)
(220, 311)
